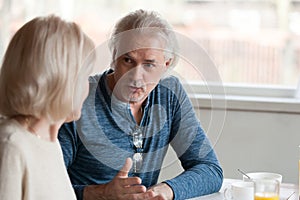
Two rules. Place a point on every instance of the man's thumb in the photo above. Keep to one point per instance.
(126, 168)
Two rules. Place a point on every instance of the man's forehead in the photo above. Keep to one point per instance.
(141, 43)
(144, 51)
(145, 54)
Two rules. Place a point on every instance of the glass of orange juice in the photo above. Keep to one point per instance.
(266, 189)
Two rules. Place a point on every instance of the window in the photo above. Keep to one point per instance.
(253, 42)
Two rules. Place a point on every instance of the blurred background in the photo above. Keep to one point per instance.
(250, 41)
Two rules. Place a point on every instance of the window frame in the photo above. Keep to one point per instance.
(244, 97)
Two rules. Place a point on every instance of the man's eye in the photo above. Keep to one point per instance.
(127, 60)
(149, 65)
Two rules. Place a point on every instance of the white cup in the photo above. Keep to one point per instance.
(240, 191)
(263, 175)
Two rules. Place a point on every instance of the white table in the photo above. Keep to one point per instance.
(285, 191)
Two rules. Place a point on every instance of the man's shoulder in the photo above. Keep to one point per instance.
(94, 78)
(170, 79)
(170, 82)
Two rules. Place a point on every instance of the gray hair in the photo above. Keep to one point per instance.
(142, 22)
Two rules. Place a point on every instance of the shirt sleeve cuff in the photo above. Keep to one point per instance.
(79, 191)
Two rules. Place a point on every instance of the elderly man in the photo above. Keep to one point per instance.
(134, 111)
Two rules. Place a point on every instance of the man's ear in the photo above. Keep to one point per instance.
(168, 62)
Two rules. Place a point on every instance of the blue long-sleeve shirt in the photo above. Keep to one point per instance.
(95, 147)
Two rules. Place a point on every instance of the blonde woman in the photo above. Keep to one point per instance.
(43, 83)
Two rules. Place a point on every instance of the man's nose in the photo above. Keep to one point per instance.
(137, 72)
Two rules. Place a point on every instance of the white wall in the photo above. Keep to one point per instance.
(251, 141)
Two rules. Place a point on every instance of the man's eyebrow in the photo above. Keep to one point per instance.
(150, 60)
(127, 54)
(146, 60)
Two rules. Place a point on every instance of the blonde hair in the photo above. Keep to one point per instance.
(142, 22)
(44, 68)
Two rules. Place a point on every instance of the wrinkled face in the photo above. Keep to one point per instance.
(137, 72)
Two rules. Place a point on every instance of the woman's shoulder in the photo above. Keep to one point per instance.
(10, 141)
(7, 128)
(11, 132)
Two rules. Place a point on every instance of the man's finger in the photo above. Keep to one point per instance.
(134, 189)
(141, 196)
(126, 168)
(130, 181)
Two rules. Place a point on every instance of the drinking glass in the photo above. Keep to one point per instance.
(266, 189)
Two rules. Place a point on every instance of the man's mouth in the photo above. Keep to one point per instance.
(134, 89)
